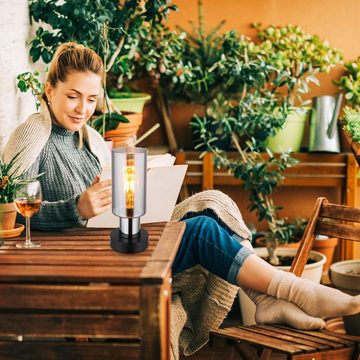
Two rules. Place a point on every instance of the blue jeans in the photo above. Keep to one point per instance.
(209, 242)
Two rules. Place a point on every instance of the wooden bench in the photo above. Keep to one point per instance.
(76, 287)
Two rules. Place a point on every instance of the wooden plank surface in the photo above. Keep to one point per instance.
(242, 334)
(46, 350)
(84, 255)
(288, 340)
(66, 297)
(67, 324)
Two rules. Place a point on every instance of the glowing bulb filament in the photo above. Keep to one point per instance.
(129, 182)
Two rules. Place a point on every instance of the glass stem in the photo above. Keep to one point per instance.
(27, 239)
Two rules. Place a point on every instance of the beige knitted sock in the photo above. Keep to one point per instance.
(270, 310)
(314, 299)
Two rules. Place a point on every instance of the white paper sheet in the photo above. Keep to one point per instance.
(163, 187)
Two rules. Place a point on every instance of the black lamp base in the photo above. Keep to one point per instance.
(123, 243)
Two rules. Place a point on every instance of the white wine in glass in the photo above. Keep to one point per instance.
(28, 198)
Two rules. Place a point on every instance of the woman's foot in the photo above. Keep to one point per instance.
(270, 310)
(315, 299)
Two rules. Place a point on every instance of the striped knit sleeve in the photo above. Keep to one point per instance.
(54, 215)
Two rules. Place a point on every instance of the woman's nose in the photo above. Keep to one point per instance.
(80, 107)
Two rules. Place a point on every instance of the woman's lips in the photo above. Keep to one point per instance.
(76, 119)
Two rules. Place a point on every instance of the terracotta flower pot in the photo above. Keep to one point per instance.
(124, 131)
(326, 247)
(7, 216)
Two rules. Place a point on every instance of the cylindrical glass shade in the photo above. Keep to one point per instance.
(129, 182)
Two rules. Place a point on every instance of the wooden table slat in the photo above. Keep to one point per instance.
(68, 350)
(321, 342)
(69, 273)
(238, 333)
(63, 297)
(63, 325)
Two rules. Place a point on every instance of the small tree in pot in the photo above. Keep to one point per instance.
(273, 77)
(254, 113)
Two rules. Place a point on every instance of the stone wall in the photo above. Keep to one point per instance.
(15, 107)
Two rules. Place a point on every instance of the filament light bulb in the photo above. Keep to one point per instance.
(129, 182)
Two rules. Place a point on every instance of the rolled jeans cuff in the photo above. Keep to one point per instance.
(239, 259)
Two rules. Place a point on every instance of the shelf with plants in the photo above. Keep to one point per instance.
(312, 170)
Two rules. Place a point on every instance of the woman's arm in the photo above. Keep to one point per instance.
(54, 215)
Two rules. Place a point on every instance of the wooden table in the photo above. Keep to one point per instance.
(76, 288)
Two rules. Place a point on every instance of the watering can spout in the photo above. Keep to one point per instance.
(333, 122)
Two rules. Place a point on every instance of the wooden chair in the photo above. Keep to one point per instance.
(259, 341)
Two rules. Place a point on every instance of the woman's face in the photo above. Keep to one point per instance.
(73, 102)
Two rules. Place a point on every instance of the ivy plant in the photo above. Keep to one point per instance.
(29, 81)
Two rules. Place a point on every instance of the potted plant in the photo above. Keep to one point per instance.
(7, 206)
(106, 29)
(254, 114)
(302, 57)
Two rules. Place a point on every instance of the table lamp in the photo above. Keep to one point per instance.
(129, 198)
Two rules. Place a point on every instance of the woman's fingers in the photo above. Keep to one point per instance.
(96, 180)
(101, 185)
(106, 194)
(96, 199)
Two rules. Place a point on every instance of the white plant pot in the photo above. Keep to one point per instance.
(311, 272)
(345, 276)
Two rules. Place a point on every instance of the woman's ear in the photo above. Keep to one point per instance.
(48, 91)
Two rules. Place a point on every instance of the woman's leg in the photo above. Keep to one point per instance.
(314, 299)
(206, 243)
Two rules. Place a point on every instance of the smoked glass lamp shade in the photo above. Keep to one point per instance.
(129, 193)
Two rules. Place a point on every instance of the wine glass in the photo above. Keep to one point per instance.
(27, 200)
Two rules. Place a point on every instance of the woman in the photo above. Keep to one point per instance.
(58, 143)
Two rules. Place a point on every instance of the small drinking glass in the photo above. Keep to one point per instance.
(27, 200)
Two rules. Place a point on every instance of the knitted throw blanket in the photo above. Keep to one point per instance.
(30, 137)
(201, 300)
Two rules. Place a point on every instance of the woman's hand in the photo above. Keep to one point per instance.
(95, 199)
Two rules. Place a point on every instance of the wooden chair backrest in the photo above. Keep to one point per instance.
(327, 219)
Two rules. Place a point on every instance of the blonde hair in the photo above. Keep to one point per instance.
(72, 57)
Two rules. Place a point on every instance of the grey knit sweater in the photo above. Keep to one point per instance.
(46, 148)
(68, 171)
